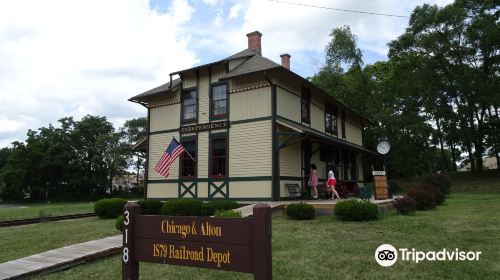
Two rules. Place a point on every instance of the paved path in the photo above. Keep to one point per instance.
(60, 258)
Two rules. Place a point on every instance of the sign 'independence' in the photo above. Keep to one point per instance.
(235, 244)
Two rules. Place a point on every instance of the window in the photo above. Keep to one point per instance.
(218, 155)
(188, 165)
(305, 105)
(189, 105)
(219, 101)
(331, 118)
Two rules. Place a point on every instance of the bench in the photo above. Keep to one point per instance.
(293, 191)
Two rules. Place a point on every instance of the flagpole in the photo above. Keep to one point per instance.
(189, 155)
(185, 150)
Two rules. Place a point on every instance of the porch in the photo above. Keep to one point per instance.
(322, 207)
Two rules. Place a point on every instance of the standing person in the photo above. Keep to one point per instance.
(313, 181)
(332, 182)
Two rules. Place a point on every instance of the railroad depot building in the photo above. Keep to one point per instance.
(252, 125)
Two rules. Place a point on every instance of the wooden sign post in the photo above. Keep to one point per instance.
(235, 244)
(381, 190)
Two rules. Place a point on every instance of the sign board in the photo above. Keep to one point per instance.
(378, 173)
(381, 190)
(204, 127)
(235, 244)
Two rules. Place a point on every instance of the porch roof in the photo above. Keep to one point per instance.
(313, 133)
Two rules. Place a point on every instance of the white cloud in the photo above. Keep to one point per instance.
(292, 28)
(212, 2)
(235, 11)
(61, 58)
(71, 58)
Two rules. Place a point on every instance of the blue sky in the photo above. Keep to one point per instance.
(64, 58)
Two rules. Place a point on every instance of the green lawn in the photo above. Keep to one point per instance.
(326, 248)
(34, 210)
(21, 241)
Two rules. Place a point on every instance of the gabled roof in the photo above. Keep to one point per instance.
(163, 88)
(254, 64)
(244, 53)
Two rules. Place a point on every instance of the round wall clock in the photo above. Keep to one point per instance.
(383, 147)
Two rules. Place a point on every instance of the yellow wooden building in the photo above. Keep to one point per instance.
(252, 125)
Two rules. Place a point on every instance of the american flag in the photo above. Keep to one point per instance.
(172, 152)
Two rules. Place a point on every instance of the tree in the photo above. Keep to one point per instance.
(461, 42)
(134, 131)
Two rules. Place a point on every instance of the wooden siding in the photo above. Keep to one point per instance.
(256, 189)
(202, 189)
(189, 80)
(284, 81)
(217, 72)
(353, 133)
(318, 117)
(165, 117)
(163, 190)
(248, 82)
(203, 97)
(290, 159)
(157, 145)
(203, 154)
(288, 105)
(250, 146)
(250, 104)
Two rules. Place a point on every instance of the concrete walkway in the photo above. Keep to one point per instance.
(61, 258)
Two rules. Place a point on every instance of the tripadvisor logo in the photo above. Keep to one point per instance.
(387, 255)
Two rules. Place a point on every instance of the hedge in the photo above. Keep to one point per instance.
(300, 211)
(439, 180)
(209, 208)
(405, 205)
(119, 223)
(182, 207)
(227, 214)
(425, 199)
(356, 210)
(109, 208)
(150, 206)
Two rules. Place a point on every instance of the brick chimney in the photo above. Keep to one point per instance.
(254, 41)
(285, 60)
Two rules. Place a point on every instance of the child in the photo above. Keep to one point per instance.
(331, 184)
(313, 181)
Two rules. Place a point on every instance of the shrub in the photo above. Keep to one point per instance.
(425, 199)
(182, 207)
(356, 210)
(439, 196)
(300, 211)
(209, 208)
(227, 214)
(119, 223)
(439, 180)
(150, 206)
(109, 208)
(405, 205)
